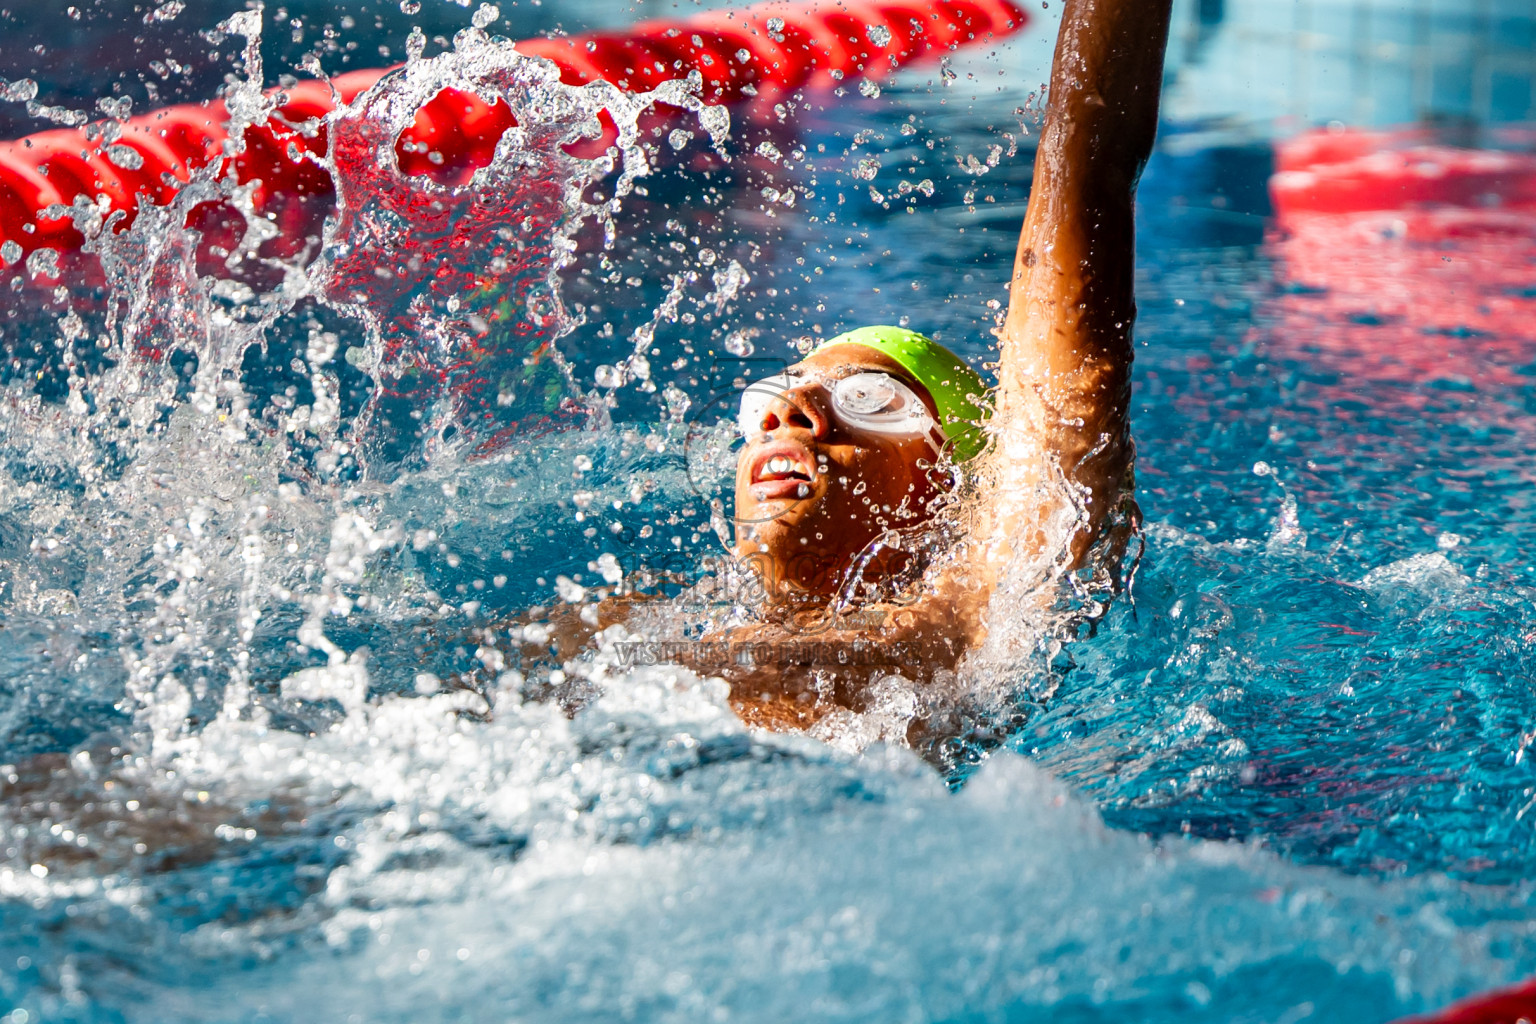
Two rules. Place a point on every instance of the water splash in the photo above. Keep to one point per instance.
(458, 283)
(198, 517)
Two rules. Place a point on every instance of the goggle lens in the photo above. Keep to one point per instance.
(870, 401)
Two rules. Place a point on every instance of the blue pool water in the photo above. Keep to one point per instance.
(1285, 779)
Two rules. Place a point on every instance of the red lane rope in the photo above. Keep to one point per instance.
(776, 46)
(1402, 255)
(1359, 171)
(1508, 1006)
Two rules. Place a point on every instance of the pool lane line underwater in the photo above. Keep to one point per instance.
(786, 46)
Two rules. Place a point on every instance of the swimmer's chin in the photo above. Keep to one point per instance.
(774, 528)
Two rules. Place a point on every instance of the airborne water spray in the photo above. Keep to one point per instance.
(192, 513)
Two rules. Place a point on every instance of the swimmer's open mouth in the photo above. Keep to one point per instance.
(780, 468)
(783, 471)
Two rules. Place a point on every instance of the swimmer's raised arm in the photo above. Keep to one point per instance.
(1064, 376)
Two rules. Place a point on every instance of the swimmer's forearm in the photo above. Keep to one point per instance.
(1074, 271)
(1066, 343)
(1106, 80)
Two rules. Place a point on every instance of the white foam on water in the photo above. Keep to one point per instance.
(795, 883)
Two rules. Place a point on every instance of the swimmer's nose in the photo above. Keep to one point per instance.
(796, 409)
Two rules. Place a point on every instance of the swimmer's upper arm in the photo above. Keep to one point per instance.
(1064, 374)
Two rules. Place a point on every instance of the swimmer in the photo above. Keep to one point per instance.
(853, 454)
(853, 443)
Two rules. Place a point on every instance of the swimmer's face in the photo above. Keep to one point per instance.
(813, 491)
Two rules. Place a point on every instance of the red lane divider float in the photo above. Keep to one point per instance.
(1406, 256)
(1508, 1006)
(1358, 172)
(768, 47)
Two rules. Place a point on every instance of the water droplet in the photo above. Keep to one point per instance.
(867, 169)
(739, 342)
(868, 88)
(118, 109)
(679, 138)
(43, 263)
(126, 157)
(570, 592)
(879, 35)
(485, 15)
(677, 401)
(19, 91)
(410, 6)
(165, 12)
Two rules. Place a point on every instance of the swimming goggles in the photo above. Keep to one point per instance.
(871, 401)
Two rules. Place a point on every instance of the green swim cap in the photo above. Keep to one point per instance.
(946, 376)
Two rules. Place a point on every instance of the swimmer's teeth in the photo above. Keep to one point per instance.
(781, 466)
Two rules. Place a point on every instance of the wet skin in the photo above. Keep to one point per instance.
(801, 529)
(1060, 432)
